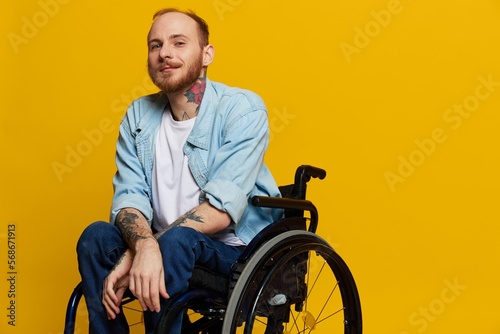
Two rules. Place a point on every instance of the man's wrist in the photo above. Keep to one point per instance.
(146, 242)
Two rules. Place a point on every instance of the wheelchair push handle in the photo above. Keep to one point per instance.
(295, 201)
(302, 175)
(305, 172)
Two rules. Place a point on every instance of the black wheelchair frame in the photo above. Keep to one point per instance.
(273, 283)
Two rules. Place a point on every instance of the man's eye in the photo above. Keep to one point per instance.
(155, 46)
(180, 43)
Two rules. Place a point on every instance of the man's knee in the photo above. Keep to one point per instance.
(92, 237)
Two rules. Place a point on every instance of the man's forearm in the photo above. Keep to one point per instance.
(182, 221)
(133, 226)
(203, 218)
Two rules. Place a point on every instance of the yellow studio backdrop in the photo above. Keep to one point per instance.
(397, 99)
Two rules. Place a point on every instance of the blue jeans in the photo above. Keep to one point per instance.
(101, 245)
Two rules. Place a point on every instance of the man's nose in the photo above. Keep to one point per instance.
(165, 53)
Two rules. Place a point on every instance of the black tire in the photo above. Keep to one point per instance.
(290, 260)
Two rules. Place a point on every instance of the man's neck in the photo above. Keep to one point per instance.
(186, 105)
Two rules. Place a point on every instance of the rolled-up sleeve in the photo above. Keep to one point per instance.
(130, 185)
(236, 164)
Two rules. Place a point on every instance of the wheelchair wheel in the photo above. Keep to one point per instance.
(295, 283)
(77, 317)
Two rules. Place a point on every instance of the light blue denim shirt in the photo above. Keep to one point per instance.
(225, 151)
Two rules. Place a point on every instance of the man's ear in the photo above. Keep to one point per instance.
(208, 54)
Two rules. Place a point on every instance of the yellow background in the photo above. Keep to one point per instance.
(367, 90)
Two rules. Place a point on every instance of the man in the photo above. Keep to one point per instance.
(189, 158)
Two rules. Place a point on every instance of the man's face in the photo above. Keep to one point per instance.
(175, 58)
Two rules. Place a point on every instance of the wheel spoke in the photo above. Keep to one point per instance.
(319, 289)
(329, 296)
(317, 276)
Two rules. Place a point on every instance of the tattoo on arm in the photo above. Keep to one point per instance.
(127, 224)
(191, 215)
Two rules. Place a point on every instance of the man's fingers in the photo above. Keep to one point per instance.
(114, 287)
(154, 293)
(119, 294)
(163, 288)
(136, 287)
(112, 308)
(145, 275)
(146, 301)
(109, 293)
(147, 292)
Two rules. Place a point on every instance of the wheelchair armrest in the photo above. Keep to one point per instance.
(289, 203)
(270, 232)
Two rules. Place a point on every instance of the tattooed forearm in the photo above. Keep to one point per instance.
(127, 223)
(191, 215)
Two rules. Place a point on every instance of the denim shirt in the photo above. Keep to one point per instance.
(225, 151)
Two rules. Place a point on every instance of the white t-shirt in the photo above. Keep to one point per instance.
(175, 191)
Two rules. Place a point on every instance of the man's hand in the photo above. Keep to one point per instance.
(115, 285)
(146, 276)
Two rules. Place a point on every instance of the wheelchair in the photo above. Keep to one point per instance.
(287, 280)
